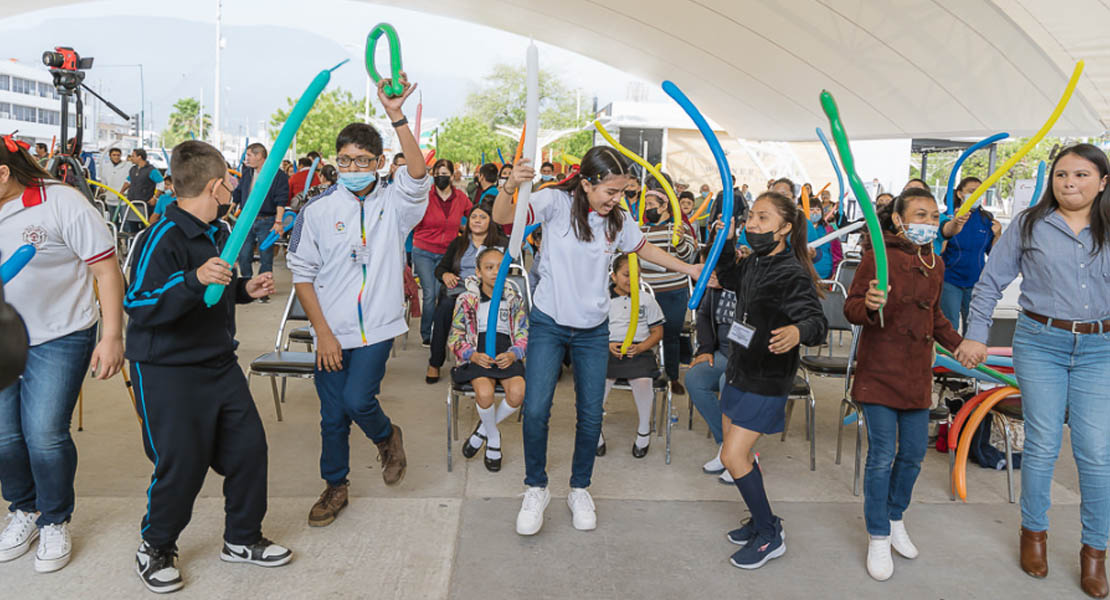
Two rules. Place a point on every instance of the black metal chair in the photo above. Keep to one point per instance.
(282, 364)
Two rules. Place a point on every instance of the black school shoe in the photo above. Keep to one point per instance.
(493, 465)
(263, 553)
(763, 547)
(469, 451)
(158, 569)
(638, 452)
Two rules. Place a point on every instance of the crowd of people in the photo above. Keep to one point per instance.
(353, 238)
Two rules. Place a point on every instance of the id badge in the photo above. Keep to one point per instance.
(360, 254)
(741, 333)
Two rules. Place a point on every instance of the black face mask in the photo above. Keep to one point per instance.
(443, 181)
(652, 215)
(762, 243)
(631, 194)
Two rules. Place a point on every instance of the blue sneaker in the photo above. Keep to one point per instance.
(760, 549)
(742, 536)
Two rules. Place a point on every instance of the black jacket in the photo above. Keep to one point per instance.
(169, 323)
(705, 321)
(447, 263)
(774, 291)
(278, 194)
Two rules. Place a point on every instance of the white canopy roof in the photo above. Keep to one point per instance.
(897, 68)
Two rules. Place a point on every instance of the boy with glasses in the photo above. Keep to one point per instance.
(345, 253)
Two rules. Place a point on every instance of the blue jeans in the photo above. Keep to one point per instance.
(38, 459)
(258, 233)
(351, 395)
(703, 383)
(1064, 374)
(897, 441)
(589, 352)
(424, 264)
(673, 304)
(955, 302)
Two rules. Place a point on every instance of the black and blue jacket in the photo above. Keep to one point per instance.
(169, 323)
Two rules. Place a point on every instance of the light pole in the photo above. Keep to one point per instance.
(216, 101)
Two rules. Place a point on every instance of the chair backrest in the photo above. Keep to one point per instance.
(846, 272)
(131, 252)
(833, 306)
(296, 311)
(519, 278)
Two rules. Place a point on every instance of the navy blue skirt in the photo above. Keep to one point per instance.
(754, 412)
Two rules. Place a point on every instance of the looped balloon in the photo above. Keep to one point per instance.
(1033, 141)
(836, 167)
(394, 88)
(138, 214)
(726, 186)
(16, 262)
(495, 298)
(959, 470)
(1037, 189)
(266, 176)
(960, 161)
(676, 232)
(874, 230)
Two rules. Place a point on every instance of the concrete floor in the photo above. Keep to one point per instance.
(451, 535)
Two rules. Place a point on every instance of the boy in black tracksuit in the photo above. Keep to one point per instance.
(194, 402)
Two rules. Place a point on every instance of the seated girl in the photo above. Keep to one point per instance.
(482, 371)
(638, 364)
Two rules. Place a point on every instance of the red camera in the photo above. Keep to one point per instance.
(66, 59)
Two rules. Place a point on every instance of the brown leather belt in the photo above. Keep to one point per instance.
(1084, 327)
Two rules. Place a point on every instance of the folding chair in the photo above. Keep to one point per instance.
(303, 334)
(455, 391)
(282, 363)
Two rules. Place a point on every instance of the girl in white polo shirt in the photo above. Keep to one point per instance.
(583, 230)
(54, 294)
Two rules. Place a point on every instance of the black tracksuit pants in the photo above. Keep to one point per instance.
(196, 417)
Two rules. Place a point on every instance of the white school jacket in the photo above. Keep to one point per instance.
(359, 279)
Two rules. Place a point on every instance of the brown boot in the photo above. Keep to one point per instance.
(328, 506)
(1034, 552)
(1092, 572)
(392, 454)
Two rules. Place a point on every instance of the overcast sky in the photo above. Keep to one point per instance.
(274, 48)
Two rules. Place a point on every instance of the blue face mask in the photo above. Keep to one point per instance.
(547, 178)
(358, 180)
(920, 233)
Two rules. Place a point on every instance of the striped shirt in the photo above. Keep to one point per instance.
(659, 279)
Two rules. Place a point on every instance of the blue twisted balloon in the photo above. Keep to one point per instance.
(1037, 189)
(16, 262)
(495, 298)
(836, 167)
(272, 237)
(726, 181)
(960, 161)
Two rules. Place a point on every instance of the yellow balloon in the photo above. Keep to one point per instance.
(570, 160)
(121, 197)
(676, 210)
(1037, 137)
(634, 275)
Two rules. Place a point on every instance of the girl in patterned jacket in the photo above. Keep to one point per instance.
(467, 340)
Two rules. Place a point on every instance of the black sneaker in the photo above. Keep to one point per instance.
(158, 569)
(760, 549)
(742, 536)
(263, 553)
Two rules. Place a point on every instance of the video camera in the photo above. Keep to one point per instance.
(66, 66)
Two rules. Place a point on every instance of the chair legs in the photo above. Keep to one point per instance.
(449, 420)
(789, 412)
(670, 422)
(811, 423)
(277, 398)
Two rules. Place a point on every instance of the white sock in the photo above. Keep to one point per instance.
(504, 411)
(489, 422)
(642, 394)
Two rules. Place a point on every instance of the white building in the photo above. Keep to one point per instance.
(30, 104)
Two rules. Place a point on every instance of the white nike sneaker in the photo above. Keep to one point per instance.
(158, 569)
(725, 478)
(263, 553)
(19, 533)
(582, 507)
(880, 564)
(530, 518)
(54, 548)
(900, 540)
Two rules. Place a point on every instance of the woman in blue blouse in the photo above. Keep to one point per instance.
(1061, 248)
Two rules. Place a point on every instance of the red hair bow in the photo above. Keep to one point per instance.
(13, 145)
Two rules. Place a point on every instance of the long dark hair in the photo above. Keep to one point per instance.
(1100, 210)
(898, 205)
(792, 213)
(495, 236)
(598, 163)
(24, 168)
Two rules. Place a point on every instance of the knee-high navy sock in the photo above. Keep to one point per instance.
(755, 496)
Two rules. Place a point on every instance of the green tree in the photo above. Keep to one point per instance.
(185, 120)
(940, 165)
(334, 110)
(501, 101)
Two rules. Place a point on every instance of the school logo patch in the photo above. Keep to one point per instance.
(340, 226)
(34, 235)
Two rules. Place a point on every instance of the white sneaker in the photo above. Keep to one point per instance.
(54, 548)
(725, 478)
(900, 540)
(880, 565)
(582, 507)
(18, 535)
(714, 466)
(530, 518)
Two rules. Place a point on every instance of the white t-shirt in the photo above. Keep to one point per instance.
(502, 317)
(54, 292)
(114, 176)
(574, 275)
(620, 317)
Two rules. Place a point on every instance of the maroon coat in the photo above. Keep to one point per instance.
(895, 362)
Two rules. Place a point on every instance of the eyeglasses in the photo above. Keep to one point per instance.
(361, 162)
